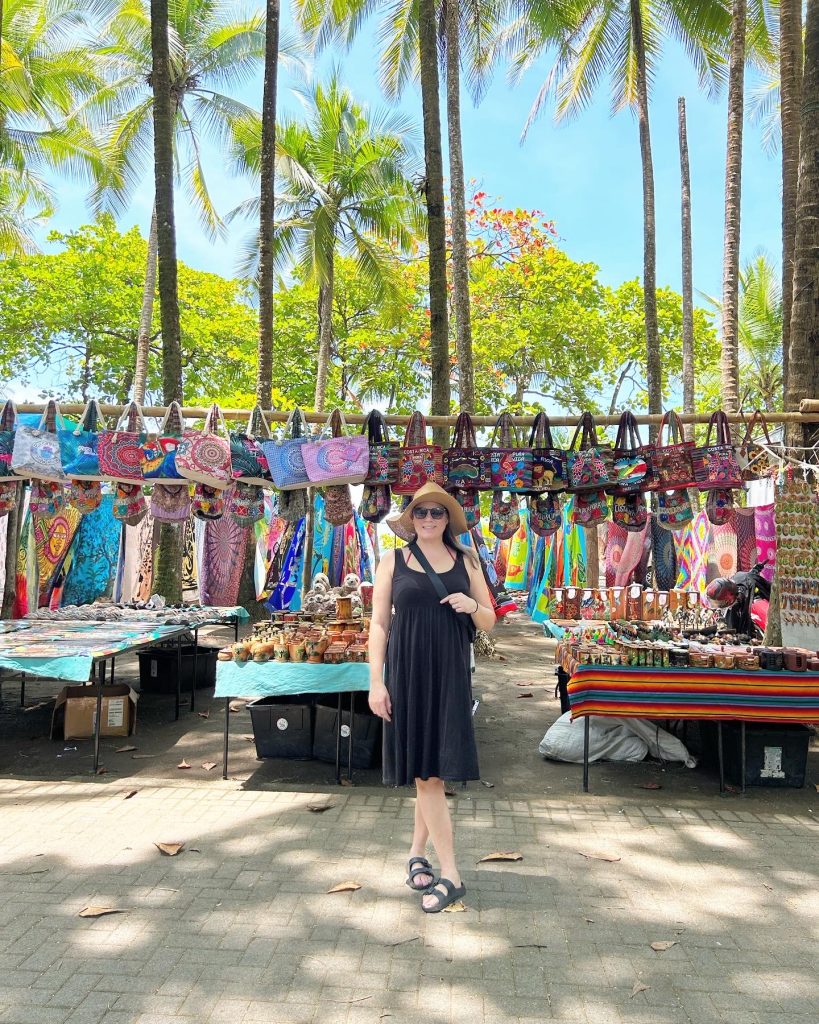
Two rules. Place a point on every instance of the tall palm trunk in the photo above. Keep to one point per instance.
(733, 194)
(168, 574)
(325, 318)
(687, 270)
(803, 375)
(790, 79)
(264, 372)
(13, 525)
(654, 366)
(436, 216)
(146, 317)
(460, 258)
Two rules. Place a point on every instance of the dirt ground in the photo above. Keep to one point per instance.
(509, 728)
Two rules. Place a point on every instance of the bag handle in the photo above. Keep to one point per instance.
(675, 430)
(131, 418)
(541, 436)
(416, 435)
(296, 426)
(757, 416)
(464, 434)
(52, 419)
(215, 417)
(586, 430)
(375, 427)
(628, 433)
(8, 419)
(257, 425)
(172, 423)
(504, 431)
(336, 423)
(91, 419)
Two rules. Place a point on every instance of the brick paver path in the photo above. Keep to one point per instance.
(239, 928)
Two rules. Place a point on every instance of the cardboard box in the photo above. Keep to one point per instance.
(76, 708)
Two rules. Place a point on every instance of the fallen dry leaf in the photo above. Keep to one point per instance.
(661, 947)
(102, 771)
(183, 764)
(639, 987)
(345, 887)
(527, 694)
(209, 765)
(523, 684)
(816, 786)
(589, 920)
(237, 705)
(458, 907)
(204, 714)
(170, 849)
(649, 785)
(347, 782)
(768, 887)
(124, 750)
(611, 857)
(501, 855)
(98, 911)
(489, 785)
(403, 942)
(530, 945)
(320, 808)
(130, 793)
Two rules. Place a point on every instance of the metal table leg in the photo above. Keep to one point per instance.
(195, 666)
(236, 628)
(350, 738)
(22, 689)
(227, 733)
(338, 741)
(742, 754)
(720, 756)
(98, 719)
(178, 675)
(113, 666)
(586, 726)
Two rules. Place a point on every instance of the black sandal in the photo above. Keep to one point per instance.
(424, 869)
(453, 894)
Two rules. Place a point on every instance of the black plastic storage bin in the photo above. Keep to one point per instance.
(775, 754)
(157, 668)
(366, 731)
(283, 726)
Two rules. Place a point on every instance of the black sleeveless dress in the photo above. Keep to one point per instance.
(429, 681)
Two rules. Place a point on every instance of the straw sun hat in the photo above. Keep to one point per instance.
(402, 526)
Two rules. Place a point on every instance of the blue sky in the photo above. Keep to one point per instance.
(585, 175)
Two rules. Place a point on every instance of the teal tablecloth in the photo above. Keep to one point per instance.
(280, 679)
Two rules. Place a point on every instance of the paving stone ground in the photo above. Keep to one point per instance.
(239, 926)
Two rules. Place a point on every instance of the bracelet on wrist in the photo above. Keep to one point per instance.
(477, 607)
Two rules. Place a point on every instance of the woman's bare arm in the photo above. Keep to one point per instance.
(379, 631)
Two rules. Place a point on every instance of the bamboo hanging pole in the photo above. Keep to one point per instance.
(809, 414)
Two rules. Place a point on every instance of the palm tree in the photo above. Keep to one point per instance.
(790, 76)
(344, 187)
(689, 404)
(621, 38)
(47, 71)
(803, 364)
(211, 49)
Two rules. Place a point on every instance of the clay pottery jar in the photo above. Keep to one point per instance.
(335, 628)
(281, 652)
(348, 636)
(344, 607)
(363, 637)
(298, 651)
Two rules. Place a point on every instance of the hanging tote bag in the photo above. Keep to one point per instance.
(284, 454)
(170, 503)
(466, 466)
(120, 450)
(418, 462)
(589, 463)
(248, 462)
(208, 503)
(36, 451)
(159, 453)
(511, 465)
(470, 501)
(245, 503)
(590, 508)
(715, 463)
(204, 458)
(8, 421)
(545, 514)
(78, 447)
(504, 518)
(48, 497)
(129, 505)
(671, 462)
(632, 461)
(375, 503)
(383, 461)
(548, 462)
(84, 495)
(336, 459)
(630, 512)
(755, 461)
(674, 510)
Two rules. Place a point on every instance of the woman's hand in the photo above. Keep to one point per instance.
(380, 703)
(461, 603)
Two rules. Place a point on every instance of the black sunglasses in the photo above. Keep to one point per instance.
(422, 513)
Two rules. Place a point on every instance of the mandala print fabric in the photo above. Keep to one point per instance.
(664, 557)
(223, 559)
(746, 538)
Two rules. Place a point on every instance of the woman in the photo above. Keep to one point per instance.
(420, 679)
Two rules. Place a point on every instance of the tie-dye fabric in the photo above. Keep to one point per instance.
(691, 548)
(765, 529)
(96, 549)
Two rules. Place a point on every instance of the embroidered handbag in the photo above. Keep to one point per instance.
(84, 495)
(8, 421)
(545, 516)
(632, 461)
(418, 462)
(245, 503)
(466, 466)
(548, 462)
(588, 462)
(470, 501)
(630, 512)
(47, 498)
(170, 503)
(247, 460)
(590, 508)
(8, 496)
(292, 505)
(208, 503)
(383, 461)
(120, 450)
(36, 452)
(336, 459)
(159, 453)
(78, 447)
(674, 509)
(671, 462)
(719, 506)
(129, 504)
(338, 506)
(504, 519)
(511, 466)
(756, 461)
(715, 463)
(204, 458)
(375, 503)
(284, 454)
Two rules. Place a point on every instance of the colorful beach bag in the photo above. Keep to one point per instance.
(204, 458)
(383, 461)
(589, 462)
(247, 460)
(630, 512)
(418, 462)
(36, 451)
(120, 450)
(245, 503)
(336, 459)
(470, 501)
(8, 421)
(548, 462)
(84, 495)
(545, 515)
(129, 505)
(671, 462)
(504, 518)
(159, 453)
(674, 510)
(375, 503)
(632, 460)
(511, 465)
(78, 447)
(47, 498)
(590, 508)
(756, 461)
(170, 503)
(715, 463)
(466, 466)
(284, 454)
